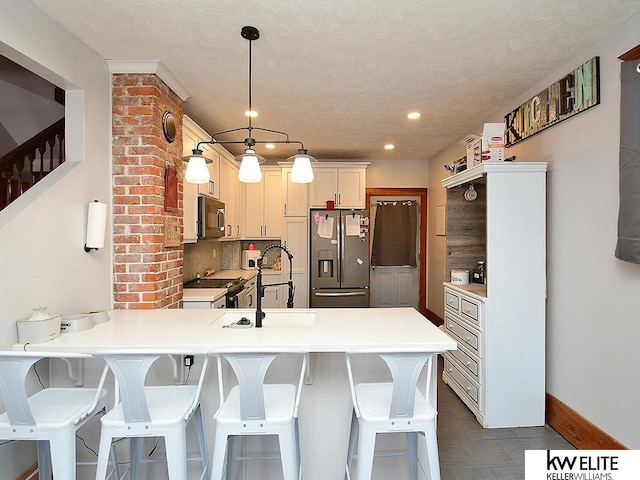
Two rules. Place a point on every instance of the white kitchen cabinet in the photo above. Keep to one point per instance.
(219, 303)
(274, 297)
(231, 193)
(344, 184)
(295, 238)
(294, 195)
(499, 367)
(263, 206)
(191, 135)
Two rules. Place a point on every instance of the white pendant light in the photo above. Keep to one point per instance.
(250, 162)
(250, 166)
(197, 170)
(301, 172)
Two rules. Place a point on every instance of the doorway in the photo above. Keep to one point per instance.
(391, 286)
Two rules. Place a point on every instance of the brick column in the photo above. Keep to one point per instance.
(147, 274)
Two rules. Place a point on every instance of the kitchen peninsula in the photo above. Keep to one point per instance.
(325, 411)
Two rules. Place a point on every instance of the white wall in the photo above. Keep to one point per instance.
(592, 305)
(42, 234)
(397, 173)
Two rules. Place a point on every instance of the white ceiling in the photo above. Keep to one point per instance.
(341, 75)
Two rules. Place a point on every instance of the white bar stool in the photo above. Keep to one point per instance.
(151, 411)
(255, 408)
(392, 407)
(51, 415)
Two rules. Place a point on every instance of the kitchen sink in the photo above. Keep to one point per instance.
(274, 317)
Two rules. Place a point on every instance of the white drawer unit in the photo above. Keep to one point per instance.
(463, 370)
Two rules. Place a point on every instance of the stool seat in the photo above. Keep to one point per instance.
(279, 405)
(375, 403)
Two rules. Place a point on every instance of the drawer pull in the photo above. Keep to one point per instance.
(468, 363)
(468, 339)
(468, 310)
(468, 389)
(451, 325)
(451, 369)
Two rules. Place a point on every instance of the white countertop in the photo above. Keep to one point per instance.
(200, 330)
(477, 290)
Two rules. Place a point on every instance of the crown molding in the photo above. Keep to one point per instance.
(150, 66)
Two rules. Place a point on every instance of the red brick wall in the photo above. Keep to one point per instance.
(147, 275)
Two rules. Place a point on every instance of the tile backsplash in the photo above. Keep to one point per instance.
(225, 255)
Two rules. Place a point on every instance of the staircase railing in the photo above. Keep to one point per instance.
(30, 162)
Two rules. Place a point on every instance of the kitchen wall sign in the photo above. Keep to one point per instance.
(170, 190)
(576, 92)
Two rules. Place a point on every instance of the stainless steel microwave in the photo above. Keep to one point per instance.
(210, 218)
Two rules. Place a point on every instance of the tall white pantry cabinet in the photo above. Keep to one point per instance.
(499, 367)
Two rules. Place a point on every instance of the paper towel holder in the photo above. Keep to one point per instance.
(96, 222)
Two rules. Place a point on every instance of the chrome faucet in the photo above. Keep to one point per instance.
(261, 288)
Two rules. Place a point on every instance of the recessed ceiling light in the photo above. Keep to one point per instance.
(251, 113)
(389, 146)
(270, 146)
(413, 115)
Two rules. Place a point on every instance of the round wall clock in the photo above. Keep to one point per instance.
(169, 126)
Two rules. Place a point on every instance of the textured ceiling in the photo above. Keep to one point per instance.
(342, 75)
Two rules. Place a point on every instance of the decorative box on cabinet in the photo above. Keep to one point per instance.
(342, 183)
(500, 326)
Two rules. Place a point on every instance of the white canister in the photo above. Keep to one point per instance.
(459, 276)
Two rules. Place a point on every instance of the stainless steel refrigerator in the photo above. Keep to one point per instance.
(339, 256)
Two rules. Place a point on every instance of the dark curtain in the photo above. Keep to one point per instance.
(394, 235)
(628, 247)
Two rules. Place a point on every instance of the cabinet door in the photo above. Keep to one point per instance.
(295, 239)
(189, 192)
(253, 201)
(228, 195)
(294, 196)
(351, 188)
(272, 295)
(324, 187)
(272, 213)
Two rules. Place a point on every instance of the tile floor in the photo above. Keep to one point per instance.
(468, 451)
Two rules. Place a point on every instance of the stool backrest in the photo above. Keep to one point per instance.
(405, 368)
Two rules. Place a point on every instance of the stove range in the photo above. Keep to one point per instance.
(233, 286)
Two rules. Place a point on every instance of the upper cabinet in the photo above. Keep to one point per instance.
(232, 194)
(191, 135)
(294, 195)
(263, 206)
(343, 184)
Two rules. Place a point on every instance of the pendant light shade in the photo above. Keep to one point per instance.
(250, 166)
(301, 172)
(197, 170)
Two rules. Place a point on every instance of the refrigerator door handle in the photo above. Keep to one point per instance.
(340, 294)
(341, 246)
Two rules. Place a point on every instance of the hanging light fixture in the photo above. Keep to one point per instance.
(197, 171)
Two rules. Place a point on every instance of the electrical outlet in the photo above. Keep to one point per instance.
(188, 360)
